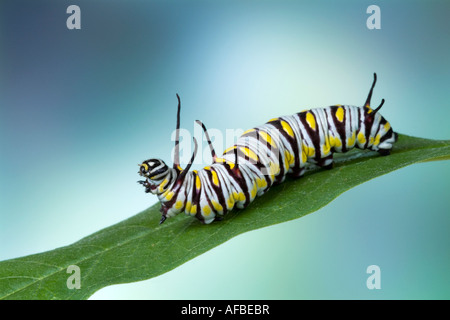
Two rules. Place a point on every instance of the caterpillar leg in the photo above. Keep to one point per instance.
(163, 211)
(145, 184)
(297, 172)
(328, 166)
(388, 147)
(326, 163)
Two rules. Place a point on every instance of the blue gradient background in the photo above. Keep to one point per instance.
(79, 109)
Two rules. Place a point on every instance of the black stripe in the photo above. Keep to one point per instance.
(314, 135)
(340, 126)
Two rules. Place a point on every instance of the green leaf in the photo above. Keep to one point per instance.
(139, 248)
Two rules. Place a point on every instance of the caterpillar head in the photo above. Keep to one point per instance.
(153, 169)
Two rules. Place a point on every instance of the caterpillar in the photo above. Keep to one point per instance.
(262, 157)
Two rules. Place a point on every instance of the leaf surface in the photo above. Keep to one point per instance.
(139, 248)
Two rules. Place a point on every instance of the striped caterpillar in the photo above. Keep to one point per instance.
(262, 157)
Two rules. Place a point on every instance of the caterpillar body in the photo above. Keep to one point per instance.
(262, 157)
